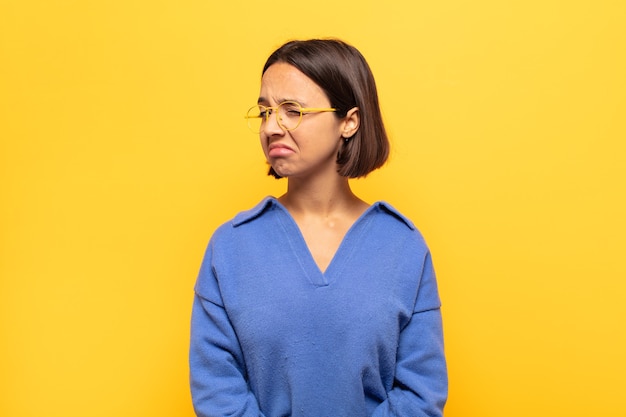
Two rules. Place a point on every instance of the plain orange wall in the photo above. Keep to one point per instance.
(123, 146)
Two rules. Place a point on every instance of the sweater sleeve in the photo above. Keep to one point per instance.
(217, 372)
(420, 386)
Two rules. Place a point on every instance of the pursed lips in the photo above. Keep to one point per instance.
(279, 149)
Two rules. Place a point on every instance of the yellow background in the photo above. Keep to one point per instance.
(123, 146)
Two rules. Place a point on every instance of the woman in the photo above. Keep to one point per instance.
(316, 303)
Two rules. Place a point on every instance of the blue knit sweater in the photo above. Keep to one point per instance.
(273, 336)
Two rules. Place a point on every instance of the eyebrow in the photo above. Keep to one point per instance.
(282, 100)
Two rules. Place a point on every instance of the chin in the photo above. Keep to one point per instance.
(284, 173)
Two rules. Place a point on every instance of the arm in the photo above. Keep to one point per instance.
(217, 373)
(421, 384)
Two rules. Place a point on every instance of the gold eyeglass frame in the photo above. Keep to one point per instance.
(266, 111)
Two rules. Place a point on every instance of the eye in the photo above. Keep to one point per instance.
(291, 109)
(264, 112)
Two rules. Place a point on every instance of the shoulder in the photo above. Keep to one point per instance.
(392, 225)
(255, 215)
(387, 210)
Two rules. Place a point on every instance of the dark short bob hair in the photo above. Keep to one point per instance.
(343, 74)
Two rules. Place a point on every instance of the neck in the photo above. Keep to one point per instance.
(321, 197)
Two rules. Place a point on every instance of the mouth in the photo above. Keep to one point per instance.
(278, 150)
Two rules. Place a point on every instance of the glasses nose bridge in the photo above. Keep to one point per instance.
(268, 113)
(271, 110)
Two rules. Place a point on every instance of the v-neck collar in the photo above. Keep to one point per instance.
(299, 248)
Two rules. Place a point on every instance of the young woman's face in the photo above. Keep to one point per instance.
(312, 147)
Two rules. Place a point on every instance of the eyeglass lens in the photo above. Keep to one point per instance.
(288, 115)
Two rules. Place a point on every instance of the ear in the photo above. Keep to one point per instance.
(350, 123)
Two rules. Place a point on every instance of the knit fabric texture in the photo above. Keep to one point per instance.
(274, 336)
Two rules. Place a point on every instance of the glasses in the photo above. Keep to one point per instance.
(288, 115)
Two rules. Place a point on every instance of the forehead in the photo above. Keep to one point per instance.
(282, 81)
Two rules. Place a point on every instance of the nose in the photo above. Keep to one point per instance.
(271, 125)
